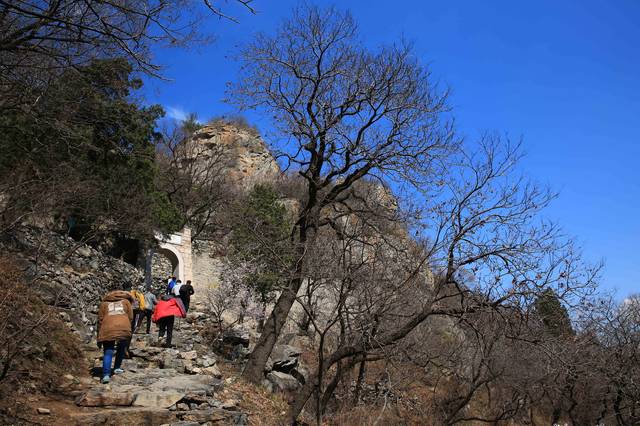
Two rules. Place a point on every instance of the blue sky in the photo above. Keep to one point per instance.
(565, 76)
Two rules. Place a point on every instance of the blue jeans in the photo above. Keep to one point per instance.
(108, 355)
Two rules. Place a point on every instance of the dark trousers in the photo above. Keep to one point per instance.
(166, 324)
(137, 319)
(109, 348)
(148, 313)
(185, 301)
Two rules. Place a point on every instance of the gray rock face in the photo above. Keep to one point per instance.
(248, 160)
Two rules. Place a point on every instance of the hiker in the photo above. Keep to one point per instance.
(167, 308)
(176, 289)
(150, 301)
(186, 291)
(114, 330)
(170, 284)
(138, 309)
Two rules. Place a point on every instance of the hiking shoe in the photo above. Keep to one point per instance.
(105, 380)
(118, 371)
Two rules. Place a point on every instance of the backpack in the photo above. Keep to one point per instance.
(138, 300)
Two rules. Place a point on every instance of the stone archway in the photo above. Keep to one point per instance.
(174, 257)
(177, 249)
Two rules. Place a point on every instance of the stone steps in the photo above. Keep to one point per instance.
(160, 385)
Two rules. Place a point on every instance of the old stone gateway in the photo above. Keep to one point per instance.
(172, 257)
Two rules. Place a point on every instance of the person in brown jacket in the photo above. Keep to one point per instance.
(114, 329)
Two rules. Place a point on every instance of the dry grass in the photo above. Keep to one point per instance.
(263, 407)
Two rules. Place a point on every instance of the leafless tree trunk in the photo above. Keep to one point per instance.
(345, 114)
(489, 256)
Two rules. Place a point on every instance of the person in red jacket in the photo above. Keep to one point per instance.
(164, 315)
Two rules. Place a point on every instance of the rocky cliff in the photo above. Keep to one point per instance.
(245, 156)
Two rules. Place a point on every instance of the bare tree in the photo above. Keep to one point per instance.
(41, 35)
(490, 256)
(344, 113)
(194, 178)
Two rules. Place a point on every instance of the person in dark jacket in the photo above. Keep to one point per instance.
(186, 290)
(114, 330)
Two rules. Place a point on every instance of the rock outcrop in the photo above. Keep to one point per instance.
(240, 149)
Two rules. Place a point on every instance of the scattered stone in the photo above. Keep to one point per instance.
(241, 419)
(191, 355)
(169, 360)
(43, 411)
(230, 404)
(212, 371)
(190, 369)
(206, 361)
(182, 407)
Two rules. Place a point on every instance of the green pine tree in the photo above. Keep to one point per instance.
(553, 314)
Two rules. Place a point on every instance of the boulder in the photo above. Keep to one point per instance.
(236, 336)
(239, 352)
(284, 358)
(282, 381)
(186, 384)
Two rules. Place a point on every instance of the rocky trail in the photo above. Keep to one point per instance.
(182, 385)
(195, 382)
